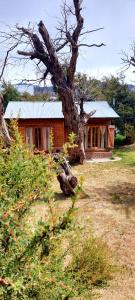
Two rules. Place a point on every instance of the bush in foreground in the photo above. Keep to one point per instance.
(32, 259)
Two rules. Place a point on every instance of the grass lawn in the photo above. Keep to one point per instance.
(107, 206)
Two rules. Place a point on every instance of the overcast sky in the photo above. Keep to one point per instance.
(116, 16)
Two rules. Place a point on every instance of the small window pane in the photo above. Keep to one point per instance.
(89, 137)
(29, 136)
(38, 138)
(46, 138)
(103, 137)
(95, 137)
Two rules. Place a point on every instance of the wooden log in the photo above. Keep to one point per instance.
(66, 179)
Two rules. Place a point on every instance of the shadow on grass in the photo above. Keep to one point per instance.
(121, 195)
(60, 196)
(124, 195)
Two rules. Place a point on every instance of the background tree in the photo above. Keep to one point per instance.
(117, 93)
(91, 87)
(40, 97)
(47, 54)
(129, 59)
(114, 88)
(10, 93)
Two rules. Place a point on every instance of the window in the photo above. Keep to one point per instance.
(94, 133)
(40, 137)
(29, 135)
(46, 138)
(103, 137)
(38, 143)
(96, 137)
(89, 137)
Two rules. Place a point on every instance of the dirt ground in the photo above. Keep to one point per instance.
(109, 203)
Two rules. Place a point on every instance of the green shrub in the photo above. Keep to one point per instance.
(130, 134)
(24, 179)
(120, 140)
(32, 259)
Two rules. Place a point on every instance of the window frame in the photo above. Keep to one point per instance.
(43, 142)
(88, 134)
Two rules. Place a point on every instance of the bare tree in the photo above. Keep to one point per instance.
(50, 54)
(129, 60)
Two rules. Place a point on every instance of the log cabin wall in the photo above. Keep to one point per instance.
(98, 126)
(94, 121)
(57, 126)
(93, 127)
(37, 118)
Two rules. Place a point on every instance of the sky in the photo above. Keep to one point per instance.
(116, 16)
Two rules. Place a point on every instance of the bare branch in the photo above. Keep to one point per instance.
(6, 59)
(34, 38)
(75, 36)
(45, 74)
(128, 60)
(55, 65)
(30, 54)
(90, 31)
(61, 46)
(92, 45)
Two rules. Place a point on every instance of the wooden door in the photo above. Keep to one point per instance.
(111, 130)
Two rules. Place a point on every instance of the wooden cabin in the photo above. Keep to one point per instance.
(36, 119)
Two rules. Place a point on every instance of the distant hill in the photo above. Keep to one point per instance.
(23, 87)
(44, 90)
(35, 89)
(131, 87)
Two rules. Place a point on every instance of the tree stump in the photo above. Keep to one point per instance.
(66, 179)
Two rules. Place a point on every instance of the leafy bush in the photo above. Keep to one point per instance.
(120, 140)
(24, 178)
(32, 259)
(130, 134)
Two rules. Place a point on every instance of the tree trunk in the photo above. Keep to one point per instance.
(82, 155)
(73, 122)
(5, 133)
(3, 127)
(66, 179)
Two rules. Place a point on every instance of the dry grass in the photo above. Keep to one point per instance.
(109, 202)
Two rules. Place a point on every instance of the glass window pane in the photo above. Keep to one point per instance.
(29, 135)
(46, 138)
(38, 138)
(89, 137)
(94, 136)
(103, 137)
